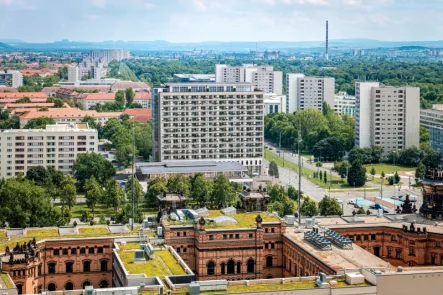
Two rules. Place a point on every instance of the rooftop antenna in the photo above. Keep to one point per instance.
(327, 40)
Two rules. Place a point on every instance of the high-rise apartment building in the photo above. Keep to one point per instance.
(73, 74)
(308, 92)
(432, 117)
(56, 146)
(344, 104)
(214, 121)
(264, 78)
(387, 116)
(11, 78)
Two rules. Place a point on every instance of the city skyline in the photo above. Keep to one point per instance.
(204, 20)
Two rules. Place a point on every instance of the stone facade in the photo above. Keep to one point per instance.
(60, 265)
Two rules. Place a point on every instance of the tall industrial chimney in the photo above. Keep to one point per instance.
(327, 41)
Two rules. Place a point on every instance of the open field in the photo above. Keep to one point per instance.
(386, 168)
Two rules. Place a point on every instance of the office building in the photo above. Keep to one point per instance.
(73, 74)
(436, 139)
(387, 116)
(344, 104)
(308, 92)
(11, 78)
(56, 146)
(432, 117)
(214, 121)
(264, 78)
(274, 103)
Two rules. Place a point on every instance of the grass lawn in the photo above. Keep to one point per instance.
(129, 246)
(79, 208)
(278, 287)
(171, 262)
(92, 231)
(335, 183)
(42, 233)
(4, 277)
(244, 219)
(151, 267)
(386, 168)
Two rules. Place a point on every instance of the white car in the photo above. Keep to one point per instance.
(394, 197)
(340, 201)
(352, 202)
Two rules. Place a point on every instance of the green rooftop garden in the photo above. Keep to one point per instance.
(42, 233)
(163, 264)
(93, 231)
(5, 278)
(129, 246)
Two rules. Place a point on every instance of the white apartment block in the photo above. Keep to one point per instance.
(387, 116)
(344, 104)
(264, 78)
(308, 92)
(11, 78)
(274, 103)
(56, 146)
(214, 121)
(73, 74)
(432, 117)
(92, 99)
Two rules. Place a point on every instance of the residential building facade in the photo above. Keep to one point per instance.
(344, 104)
(56, 146)
(264, 78)
(215, 121)
(92, 99)
(436, 139)
(432, 117)
(274, 103)
(73, 74)
(11, 78)
(308, 92)
(387, 116)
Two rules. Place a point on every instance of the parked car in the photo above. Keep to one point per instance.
(271, 148)
(378, 206)
(352, 202)
(394, 197)
(340, 201)
(357, 205)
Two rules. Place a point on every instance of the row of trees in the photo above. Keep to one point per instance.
(326, 207)
(123, 99)
(325, 134)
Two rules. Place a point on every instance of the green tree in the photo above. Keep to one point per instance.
(273, 169)
(113, 195)
(130, 95)
(329, 206)
(357, 174)
(223, 193)
(396, 178)
(325, 176)
(420, 172)
(138, 190)
(68, 192)
(341, 168)
(59, 103)
(373, 172)
(126, 213)
(279, 201)
(93, 193)
(361, 210)
(120, 98)
(38, 174)
(23, 100)
(156, 187)
(201, 189)
(179, 184)
(92, 164)
(293, 193)
(39, 123)
(308, 207)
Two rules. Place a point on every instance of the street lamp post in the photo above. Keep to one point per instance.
(133, 177)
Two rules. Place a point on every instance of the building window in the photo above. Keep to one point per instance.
(398, 253)
(211, 237)
(237, 236)
(51, 268)
(269, 261)
(103, 284)
(56, 252)
(231, 267)
(373, 237)
(52, 287)
(393, 238)
(389, 252)
(82, 250)
(438, 244)
(86, 283)
(250, 265)
(433, 258)
(100, 250)
(225, 237)
(104, 265)
(86, 266)
(238, 267)
(65, 251)
(251, 236)
(366, 237)
(69, 286)
(69, 267)
(91, 250)
(73, 251)
(211, 268)
(411, 251)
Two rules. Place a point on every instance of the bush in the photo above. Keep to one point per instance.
(85, 216)
(102, 220)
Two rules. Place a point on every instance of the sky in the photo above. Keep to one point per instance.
(220, 20)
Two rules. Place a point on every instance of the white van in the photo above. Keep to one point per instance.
(412, 198)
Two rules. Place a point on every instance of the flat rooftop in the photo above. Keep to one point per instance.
(189, 167)
(163, 264)
(337, 258)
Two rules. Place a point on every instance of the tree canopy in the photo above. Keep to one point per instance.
(92, 164)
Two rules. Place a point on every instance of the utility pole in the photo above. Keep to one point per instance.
(299, 177)
(133, 177)
(279, 146)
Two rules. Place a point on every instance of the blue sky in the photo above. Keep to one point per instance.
(221, 20)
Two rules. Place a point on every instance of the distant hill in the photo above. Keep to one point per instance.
(4, 46)
(159, 45)
(14, 41)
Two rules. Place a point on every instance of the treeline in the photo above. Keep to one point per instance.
(325, 134)
(121, 71)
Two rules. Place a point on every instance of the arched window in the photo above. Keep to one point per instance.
(211, 268)
(250, 266)
(103, 284)
(19, 288)
(69, 268)
(104, 265)
(86, 266)
(52, 287)
(290, 265)
(86, 283)
(269, 261)
(51, 267)
(69, 286)
(223, 268)
(239, 267)
(231, 267)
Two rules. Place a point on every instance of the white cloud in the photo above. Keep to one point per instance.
(99, 3)
(6, 2)
(199, 4)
